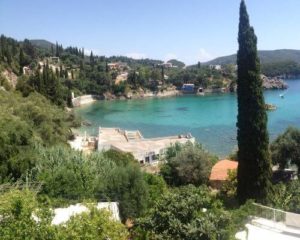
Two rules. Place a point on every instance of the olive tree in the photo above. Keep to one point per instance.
(286, 148)
(187, 164)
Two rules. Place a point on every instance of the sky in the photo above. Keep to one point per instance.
(187, 30)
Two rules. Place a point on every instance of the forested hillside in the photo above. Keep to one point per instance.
(270, 56)
(274, 63)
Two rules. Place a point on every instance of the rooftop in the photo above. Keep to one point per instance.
(219, 171)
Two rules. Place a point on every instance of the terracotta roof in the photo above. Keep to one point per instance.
(219, 171)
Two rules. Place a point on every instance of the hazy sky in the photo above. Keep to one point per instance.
(189, 30)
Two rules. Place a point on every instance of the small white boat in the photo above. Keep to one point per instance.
(282, 94)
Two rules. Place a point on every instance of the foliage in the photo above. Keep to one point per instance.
(23, 217)
(127, 186)
(228, 190)
(186, 213)
(286, 196)
(176, 63)
(156, 187)
(240, 217)
(281, 68)
(91, 75)
(48, 123)
(17, 208)
(93, 225)
(17, 141)
(254, 169)
(187, 164)
(275, 58)
(24, 123)
(285, 148)
(48, 84)
(229, 187)
(4, 83)
(111, 176)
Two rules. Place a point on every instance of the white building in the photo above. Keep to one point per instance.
(144, 150)
(271, 224)
(216, 67)
(62, 215)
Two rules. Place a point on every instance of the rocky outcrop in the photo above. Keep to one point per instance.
(11, 77)
(273, 83)
(85, 99)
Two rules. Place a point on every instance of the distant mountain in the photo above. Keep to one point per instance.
(266, 57)
(42, 43)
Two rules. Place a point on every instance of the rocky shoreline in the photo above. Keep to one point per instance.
(141, 94)
(273, 83)
(268, 83)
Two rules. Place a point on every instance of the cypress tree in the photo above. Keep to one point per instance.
(254, 169)
(199, 65)
(92, 60)
(82, 53)
(56, 50)
(21, 61)
(52, 50)
(106, 67)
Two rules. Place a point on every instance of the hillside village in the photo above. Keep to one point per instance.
(114, 77)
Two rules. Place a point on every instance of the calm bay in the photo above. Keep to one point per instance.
(211, 119)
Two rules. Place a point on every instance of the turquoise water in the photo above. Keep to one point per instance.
(211, 119)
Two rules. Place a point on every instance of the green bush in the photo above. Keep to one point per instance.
(187, 164)
(285, 148)
(23, 217)
(186, 213)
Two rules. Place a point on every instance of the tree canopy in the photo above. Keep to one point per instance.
(285, 148)
(187, 164)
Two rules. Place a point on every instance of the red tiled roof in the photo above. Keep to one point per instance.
(219, 171)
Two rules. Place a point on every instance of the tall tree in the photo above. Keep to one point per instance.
(56, 50)
(254, 169)
(21, 61)
(199, 65)
(52, 50)
(92, 60)
(82, 53)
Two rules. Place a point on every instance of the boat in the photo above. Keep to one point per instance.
(282, 94)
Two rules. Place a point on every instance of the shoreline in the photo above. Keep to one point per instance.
(89, 99)
(268, 84)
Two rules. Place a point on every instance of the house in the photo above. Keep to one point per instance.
(117, 66)
(219, 172)
(188, 88)
(166, 65)
(27, 70)
(215, 67)
(54, 60)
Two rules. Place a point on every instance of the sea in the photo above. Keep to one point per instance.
(211, 119)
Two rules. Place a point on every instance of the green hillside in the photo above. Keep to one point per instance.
(41, 43)
(266, 57)
(177, 63)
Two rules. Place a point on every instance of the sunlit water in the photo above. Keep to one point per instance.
(211, 119)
